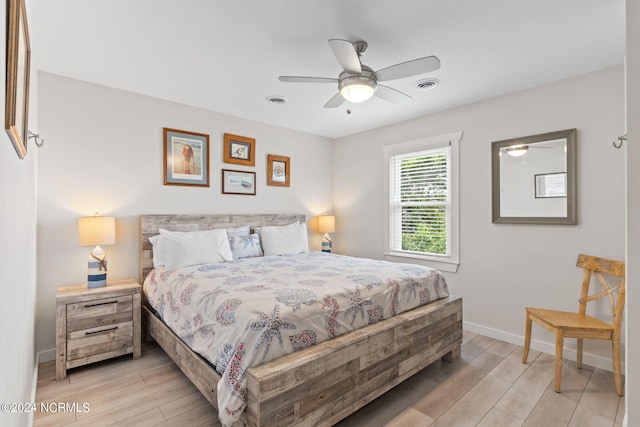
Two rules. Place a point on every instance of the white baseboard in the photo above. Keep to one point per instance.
(545, 347)
(47, 355)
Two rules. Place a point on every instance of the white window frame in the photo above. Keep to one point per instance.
(451, 261)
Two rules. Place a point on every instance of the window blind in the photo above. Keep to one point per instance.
(420, 202)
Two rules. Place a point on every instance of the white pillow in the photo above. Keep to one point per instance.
(158, 250)
(258, 230)
(182, 249)
(286, 240)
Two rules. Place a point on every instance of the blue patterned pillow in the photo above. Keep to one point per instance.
(238, 231)
(245, 246)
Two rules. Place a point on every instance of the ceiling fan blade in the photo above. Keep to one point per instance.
(346, 55)
(391, 95)
(409, 68)
(334, 102)
(300, 79)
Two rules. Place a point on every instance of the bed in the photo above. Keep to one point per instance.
(326, 382)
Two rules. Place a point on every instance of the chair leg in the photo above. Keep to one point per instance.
(617, 374)
(558, 375)
(579, 353)
(527, 339)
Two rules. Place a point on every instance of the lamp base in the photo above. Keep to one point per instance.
(97, 269)
(326, 243)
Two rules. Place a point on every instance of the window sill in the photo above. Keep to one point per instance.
(447, 265)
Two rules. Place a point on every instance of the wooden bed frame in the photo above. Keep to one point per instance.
(323, 384)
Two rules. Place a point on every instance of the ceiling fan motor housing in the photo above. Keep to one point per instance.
(365, 78)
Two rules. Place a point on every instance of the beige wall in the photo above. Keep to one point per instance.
(104, 153)
(17, 261)
(505, 267)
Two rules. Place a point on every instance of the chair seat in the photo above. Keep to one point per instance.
(564, 324)
(573, 324)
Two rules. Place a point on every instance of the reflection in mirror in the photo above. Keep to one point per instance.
(534, 179)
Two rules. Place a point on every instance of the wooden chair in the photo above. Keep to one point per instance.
(580, 325)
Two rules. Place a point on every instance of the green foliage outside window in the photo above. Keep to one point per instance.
(424, 183)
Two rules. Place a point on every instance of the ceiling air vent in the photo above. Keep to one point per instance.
(426, 84)
(275, 100)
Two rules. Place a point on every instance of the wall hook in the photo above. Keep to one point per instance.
(621, 139)
(35, 137)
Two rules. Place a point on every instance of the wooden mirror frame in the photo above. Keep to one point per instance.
(18, 66)
(571, 218)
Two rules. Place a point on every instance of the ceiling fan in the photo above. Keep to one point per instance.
(357, 82)
(519, 150)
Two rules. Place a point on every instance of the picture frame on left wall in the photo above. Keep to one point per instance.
(18, 63)
(186, 158)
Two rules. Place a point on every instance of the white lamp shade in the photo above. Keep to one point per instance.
(97, 230)
(326, 224)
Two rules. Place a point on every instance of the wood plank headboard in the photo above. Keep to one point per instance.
(150, 224)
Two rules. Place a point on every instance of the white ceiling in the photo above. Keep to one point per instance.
(226, 56)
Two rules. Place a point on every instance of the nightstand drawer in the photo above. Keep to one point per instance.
(94, 324)
(100, 312)
(102, 339)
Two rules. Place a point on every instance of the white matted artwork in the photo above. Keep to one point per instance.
(238, 182)
(278, 170)
(239, 150)
(186, 158)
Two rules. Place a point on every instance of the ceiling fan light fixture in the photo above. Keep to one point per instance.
(517, 151)
(357, 92)
(357, 88)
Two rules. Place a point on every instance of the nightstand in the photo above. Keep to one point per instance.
(94, 324)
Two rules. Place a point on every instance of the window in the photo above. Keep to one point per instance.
(422, 200)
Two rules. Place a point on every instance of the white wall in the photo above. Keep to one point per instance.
(104, 153)
(504, 268)
(632, 393)
(18, 260)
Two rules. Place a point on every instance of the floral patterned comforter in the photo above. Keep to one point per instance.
(247, 312)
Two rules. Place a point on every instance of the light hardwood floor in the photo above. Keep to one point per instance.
(489, 386)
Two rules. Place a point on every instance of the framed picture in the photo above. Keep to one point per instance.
(18, 69)
(238, 182)
(278, 170)
(550, 185)
(239, 150)
(186, 158)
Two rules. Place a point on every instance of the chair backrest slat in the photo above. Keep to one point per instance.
(598, 266)
(614, 268)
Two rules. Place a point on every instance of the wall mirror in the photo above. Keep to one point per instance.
(534, 179)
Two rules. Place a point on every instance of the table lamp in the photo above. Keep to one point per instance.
(96, 231)
(326, 225)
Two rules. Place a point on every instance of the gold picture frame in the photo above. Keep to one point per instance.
(278, 170)
(239, 150)
(18, 62)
